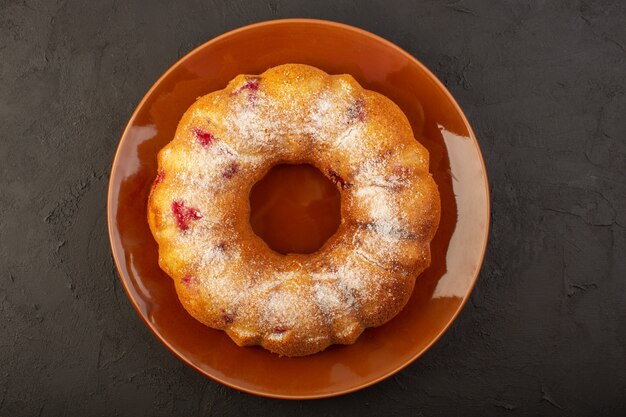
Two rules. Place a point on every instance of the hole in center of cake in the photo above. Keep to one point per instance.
(295, 208)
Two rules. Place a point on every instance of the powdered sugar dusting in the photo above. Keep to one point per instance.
(207, 248)
(327, 118)
(247, 123)
(376, 172)
(321, 109)
(323, 115)
(384, 213)
(351, 139)
(282, 308)
(350, 279)
(327, 297)
(250, 127)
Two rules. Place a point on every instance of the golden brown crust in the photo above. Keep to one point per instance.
(226, 277)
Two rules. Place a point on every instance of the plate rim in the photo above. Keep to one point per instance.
(333, 24)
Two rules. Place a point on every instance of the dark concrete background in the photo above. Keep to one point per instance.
(542, 82)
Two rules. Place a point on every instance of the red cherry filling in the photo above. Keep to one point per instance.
(337, 179)
(279, 330)
(251, 85)
(204, 137)
(231, 170)
(187, 280)
(160, 177)
(183, 214)
(401, 171)
(356, 111)
(402, 174)
(228, 319)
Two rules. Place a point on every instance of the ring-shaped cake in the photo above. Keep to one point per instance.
(294, 304)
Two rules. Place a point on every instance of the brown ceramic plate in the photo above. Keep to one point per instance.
(456, 163)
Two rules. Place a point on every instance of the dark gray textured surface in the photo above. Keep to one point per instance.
(543, 83)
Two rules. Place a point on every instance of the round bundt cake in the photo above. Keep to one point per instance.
(295, 304)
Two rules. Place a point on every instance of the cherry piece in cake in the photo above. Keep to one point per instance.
(252, 86)
(160, 177)
(232, 169)
(183, 214)
(188, 279)
(337, 179)
(356, 111)
(204, 137)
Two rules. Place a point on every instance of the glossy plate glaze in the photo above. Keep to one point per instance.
(456, 163)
